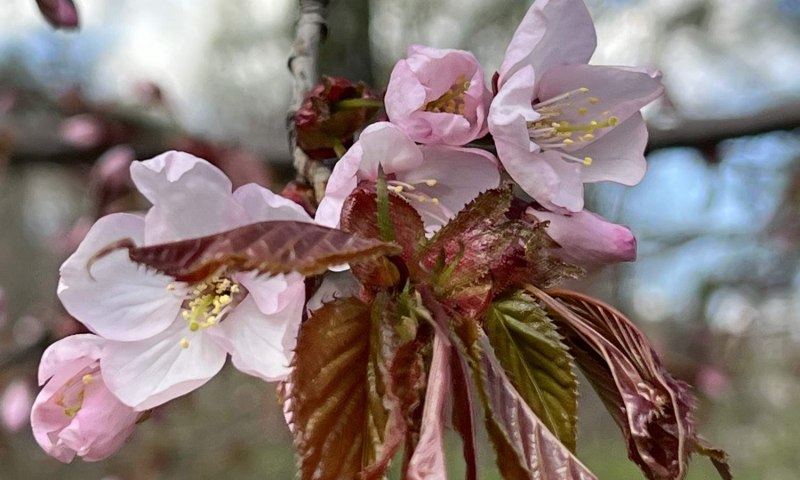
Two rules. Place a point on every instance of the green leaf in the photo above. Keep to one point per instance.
(536, 361)
(345, 423)
(267, 247)
(525, 448)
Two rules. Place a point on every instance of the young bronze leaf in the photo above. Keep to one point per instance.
(653, 410)
(536, 361)
(463, 416)
(525, 447)
(343, 420)
(427, 461)
(267, 247)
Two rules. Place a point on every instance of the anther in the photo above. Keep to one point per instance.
(184, 343)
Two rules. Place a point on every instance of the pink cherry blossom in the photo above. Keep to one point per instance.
(436, 180)
(15, 405)
(75, 413)
(167, 338)
(438, 96)
(587, 239)
(559, 123)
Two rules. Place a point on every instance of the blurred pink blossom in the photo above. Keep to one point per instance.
(75, 413)
(15, 405)
(83, 131)
(587, 239)
(186, 329)
(438, 96)
(559, 123)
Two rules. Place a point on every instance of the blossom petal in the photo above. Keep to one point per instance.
(385, 144)
(120, 300)
(460, 174)
(261, 205)
(334, 285)
(381, 144)
(81, 349)
(150, 372)
(569, 194)
(587, 239)
(553, 32)
(101, 426)
(619, 92)
(343, 180)
(263, 345)
(191, 198)
(268, 291)
(619, 155)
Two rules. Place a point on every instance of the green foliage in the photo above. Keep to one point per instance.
(536, 361)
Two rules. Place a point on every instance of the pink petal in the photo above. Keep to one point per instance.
(460, 175)
(511, 111)
(269, 292)
(120, 300)
(150, 372)
(101, 426)
(427, 462)
(263, 345)
(553, 32)
(385, 144)
(426, 75)
(379, 144)
(261, 205)
(343, 180)
(569, 194)
(70, 354)
(191, 198)
(619, 155)
(620, 92)
(587, 239)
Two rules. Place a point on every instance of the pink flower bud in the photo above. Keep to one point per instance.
(587, 239)
(75, 413)
(438, 96)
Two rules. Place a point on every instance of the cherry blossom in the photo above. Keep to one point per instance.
(15, 405)
(438, 96)
(559, 123)
(75, 413)
(167, 338)
(436, 180)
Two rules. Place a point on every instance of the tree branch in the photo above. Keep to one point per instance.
(311, 30)
(703, 133)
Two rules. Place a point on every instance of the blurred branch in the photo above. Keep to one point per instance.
(311, 29)
(703, 133)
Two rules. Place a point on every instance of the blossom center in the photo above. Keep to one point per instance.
(70, 396)
(452, 101)
(208, 303)
(410, 191)
(553, 132)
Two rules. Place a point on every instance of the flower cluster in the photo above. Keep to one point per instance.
(552, 123)
(155, 338)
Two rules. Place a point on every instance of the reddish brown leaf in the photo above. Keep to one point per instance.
(463, 416)
(267, 247)
(359, 216)
(353, 384)
(653, 410)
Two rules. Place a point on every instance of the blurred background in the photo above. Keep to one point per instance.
(716, 286)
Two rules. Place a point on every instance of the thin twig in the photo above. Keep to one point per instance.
(311, 30)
